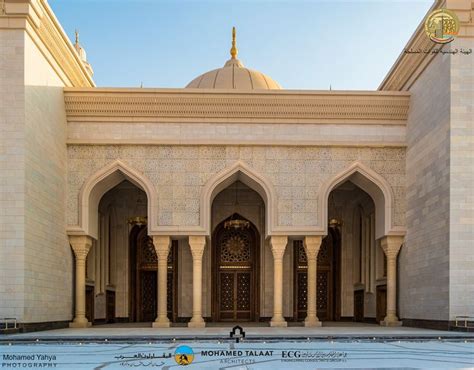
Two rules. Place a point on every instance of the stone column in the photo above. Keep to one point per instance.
(311, 246)
(162, 247)
(81, 246)
(197, 244)
(278, 244)
(391, 246)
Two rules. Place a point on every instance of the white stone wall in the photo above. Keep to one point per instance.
(249, 133)
(180, 172)
(36, 280)
(12, 174)
(461, 195)
(424, 259)
(47, 254)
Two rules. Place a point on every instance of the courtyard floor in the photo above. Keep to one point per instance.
(144, 331)
(335, 345)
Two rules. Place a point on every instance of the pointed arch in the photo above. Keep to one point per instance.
(241, 172)
(102, 181)
(373, 184)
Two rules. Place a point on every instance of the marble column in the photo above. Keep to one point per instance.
(391, 246)
(81, 246)
(311, 247)
(197, 245)
(278, 244)
(162, 246)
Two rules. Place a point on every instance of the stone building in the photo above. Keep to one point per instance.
(233, 199)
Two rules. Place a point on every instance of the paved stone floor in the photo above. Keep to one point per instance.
(334, 345)
(144, 331)
(288, 355)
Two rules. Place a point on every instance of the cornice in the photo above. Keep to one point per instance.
(39, 21)
(185, 105)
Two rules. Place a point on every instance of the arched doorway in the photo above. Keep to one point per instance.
(328, 303)
(143, 277)
(235, 257)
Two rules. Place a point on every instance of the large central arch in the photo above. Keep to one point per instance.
(238, 172)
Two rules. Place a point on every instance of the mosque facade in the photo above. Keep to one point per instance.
(233, 199)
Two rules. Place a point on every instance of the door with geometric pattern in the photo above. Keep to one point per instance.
(144, 265)
(328, 279)
(235, 273)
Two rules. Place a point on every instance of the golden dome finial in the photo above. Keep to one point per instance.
(77, 36)
(233, 50)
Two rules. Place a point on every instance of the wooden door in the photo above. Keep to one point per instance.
(381, 303)
(235, 260)
(328, 281)
(90, 303)
(147, 307)
(110, 306)
(144, 278)
(359, 305)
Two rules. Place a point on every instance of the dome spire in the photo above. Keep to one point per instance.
(233, 50)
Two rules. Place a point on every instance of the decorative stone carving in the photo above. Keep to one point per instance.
(179, 173)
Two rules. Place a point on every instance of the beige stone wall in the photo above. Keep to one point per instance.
(12, 174)
(246, 132)
(180, 172)
(424, 259)
(34, 242)
(48, 256)
(461, 195)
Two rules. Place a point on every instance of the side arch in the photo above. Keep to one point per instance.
(373, 184)
(241, 172)
(102, 181)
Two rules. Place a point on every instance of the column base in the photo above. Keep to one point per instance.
(161, 324)
(80, 324)
(198, 323)
(278, 323)
(312, 323)
(391, 323)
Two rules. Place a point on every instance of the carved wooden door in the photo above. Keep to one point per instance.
(147, 265)
(235, 275)
(381, 303)
(359, 305)
(326, 286)
(90, 303)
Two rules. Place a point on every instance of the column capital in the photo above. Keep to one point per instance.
(162, 246)
(391, 245)
(278, 244)
(312, 244)
(197, 243)
(80, 244)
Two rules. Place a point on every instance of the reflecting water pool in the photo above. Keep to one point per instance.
(435, 354)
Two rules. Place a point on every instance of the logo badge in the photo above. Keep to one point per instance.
(184, 355)
(441, 26)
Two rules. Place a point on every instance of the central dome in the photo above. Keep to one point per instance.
(234, 76)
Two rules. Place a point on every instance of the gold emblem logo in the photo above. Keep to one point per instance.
(441, 26)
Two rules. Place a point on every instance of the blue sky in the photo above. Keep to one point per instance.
(350, 45)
